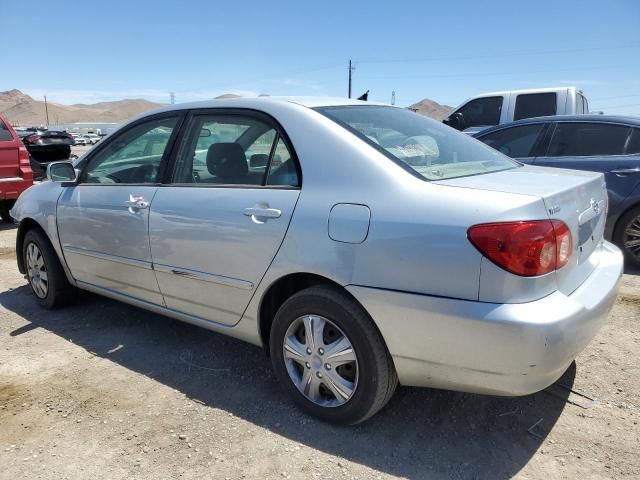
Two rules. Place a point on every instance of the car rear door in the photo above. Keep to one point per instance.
(103, 221)
(218, 222)
(9, 155)
(520, 141)
(610, 148)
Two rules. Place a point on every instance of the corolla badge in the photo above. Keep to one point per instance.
(595, 206)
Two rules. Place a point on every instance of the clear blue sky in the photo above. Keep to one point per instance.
(447, 51)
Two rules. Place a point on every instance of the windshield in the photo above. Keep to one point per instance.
(424, 147)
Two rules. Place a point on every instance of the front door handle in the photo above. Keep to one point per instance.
(258, 214)
(626, 171)
(135, 203)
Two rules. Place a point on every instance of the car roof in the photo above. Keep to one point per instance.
(629, 120)
(257, 102)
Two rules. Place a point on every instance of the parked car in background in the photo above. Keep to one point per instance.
(79, 139)
(92, 139)
(15, 171)
(599, 143)
(497, 108)
(47, 146)
(361, 260)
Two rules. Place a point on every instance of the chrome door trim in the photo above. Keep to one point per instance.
(204, 277)
(111, 258)
(10, 179)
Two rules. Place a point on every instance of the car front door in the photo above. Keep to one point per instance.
(599, 147)
(103, 221)
(217, 224)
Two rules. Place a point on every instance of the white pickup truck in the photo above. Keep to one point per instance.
(496, 108)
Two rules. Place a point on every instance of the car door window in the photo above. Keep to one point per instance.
(134, 156)
(535, 105)
(633, 146)
(482, 111)
(514, 142)
(233, 150)
(5, 134)
(588, 139)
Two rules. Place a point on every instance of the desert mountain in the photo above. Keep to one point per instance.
(20, 109)
(431, 109)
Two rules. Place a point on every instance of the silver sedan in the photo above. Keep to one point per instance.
(361, 245)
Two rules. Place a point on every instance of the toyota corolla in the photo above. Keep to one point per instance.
(361, 245)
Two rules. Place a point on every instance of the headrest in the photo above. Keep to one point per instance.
(226, 160)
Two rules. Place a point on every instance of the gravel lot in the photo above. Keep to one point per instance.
(104, 390)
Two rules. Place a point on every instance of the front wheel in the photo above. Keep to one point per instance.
(330, 357)
(44, 271)
(627, 236)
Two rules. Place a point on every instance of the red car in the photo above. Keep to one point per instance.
(15, 170)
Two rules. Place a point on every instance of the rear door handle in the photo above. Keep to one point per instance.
(626, 171)
(262, 212)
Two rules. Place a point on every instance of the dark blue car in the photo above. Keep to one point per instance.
(600, 143)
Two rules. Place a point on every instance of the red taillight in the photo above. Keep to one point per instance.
(525, 248)
(23, 156)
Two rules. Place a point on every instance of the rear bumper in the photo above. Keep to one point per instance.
(11, 188)
(500, 349)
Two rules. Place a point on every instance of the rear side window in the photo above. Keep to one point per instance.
(514, 142)
(234, 150)
(5, 134)
(588, 139)
(482, 111)
(535, 105)
(634, 142)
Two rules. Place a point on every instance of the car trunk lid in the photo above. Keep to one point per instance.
(578, 198)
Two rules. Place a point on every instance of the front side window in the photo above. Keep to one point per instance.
(588, 139)
(233, 150)
(424, 147)
(535, 105)
(481, 112)
(516, 142)
(134, 156)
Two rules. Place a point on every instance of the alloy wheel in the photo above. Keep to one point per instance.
(37, 271)
(321, 361)
(632, 238)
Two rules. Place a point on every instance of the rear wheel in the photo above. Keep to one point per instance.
(5, 206)
(44, 271)
(627, 236)
(330, 357)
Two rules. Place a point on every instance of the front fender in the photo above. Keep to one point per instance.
(36, 208)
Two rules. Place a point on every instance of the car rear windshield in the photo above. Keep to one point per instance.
(428, 149)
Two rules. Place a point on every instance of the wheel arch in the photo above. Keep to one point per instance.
(25, 225)
(282, 289)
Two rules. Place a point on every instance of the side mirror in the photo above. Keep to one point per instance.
(455, 120)
(61, 172)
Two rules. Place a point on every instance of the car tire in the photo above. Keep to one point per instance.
(364, 385)
(630, 220)
(51, 290)
(5, 206)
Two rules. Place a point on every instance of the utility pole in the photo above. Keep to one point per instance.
(46, 110)
(173, 97)
(393, 97)
(351, 69)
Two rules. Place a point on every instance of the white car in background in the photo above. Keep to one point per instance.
(79, 139)
(92, 138)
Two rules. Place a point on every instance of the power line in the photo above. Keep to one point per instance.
(497, 55)
(491, 74)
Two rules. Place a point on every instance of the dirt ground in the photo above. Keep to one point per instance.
(101, 390)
